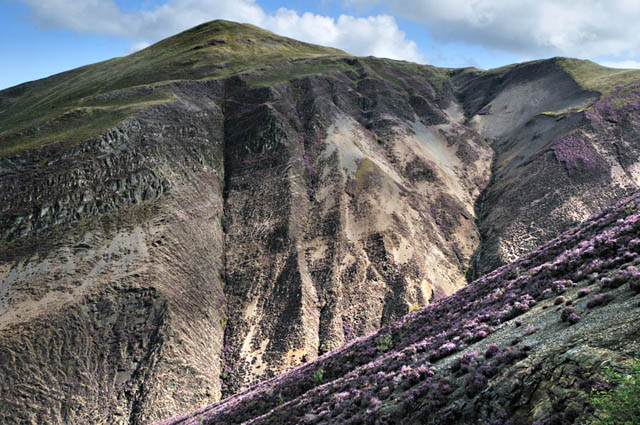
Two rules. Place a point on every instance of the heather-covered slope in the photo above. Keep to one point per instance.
(524, 344)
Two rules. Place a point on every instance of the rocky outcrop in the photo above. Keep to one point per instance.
(341, 213)
(291, 217)
(111, 297)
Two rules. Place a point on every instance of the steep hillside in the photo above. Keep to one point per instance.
(227, 231)
(565, 137)
(186, 221)
(525, 344)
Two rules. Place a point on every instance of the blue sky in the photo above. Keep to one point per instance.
(44, 37)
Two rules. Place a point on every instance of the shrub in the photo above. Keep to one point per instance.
(464, 363)
(492, 350)
(573, 318)
(622, 405)
(616, 281)
(477, 336)
(385, 343)
(510, 355)
(546, 293)
(317, 376)
(559, 300)
(487, 370)
(583, 292)
(559, 286)
(474, 383)
(599, 299)
(443, 351)
(568, 311)
(634, 284)
(606, 282)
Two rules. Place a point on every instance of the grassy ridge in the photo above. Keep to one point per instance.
(591, 76)
(36, 113)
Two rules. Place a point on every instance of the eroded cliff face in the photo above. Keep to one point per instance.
(528, 343)
(235, 227)
(229, 235)
(111, 296)
(347, 200)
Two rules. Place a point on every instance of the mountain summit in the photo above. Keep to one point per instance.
(84, 102)
(188, 221)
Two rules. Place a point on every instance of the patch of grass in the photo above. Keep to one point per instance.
(363, 174)
(299, 69)
(73, 125)
(503, 70)
(414, 307)
(563, 111)
(591, 76)
(318, 375)
(224, 223)
(386, 68)
(620, 406)
(149, 94)
(378, 66)
(385, 343)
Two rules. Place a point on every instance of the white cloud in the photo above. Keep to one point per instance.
(586, 28)
(629, 64)
(106, 17)
(138, 45)
(374, 35)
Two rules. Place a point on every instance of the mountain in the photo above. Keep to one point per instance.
(564, 133)
(525, 344)
(190, 220)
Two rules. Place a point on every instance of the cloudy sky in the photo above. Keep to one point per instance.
(43, 37)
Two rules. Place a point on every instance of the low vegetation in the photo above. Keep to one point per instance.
(592, 76)
(620, 405)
